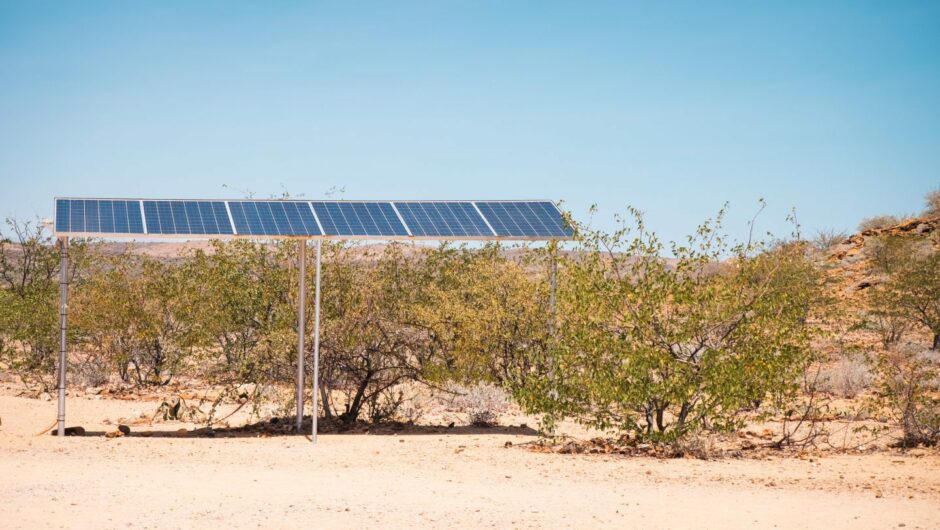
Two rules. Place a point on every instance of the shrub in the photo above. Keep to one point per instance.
(888, 253)
(908, 378)
(913, 293)
(482, 403)
(29, 301)
(848, 377)
(932, 203)
(141, 314)
(890, 324)
(662, 349)
(877, 222)
(827, 238)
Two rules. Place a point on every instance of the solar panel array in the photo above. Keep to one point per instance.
(339, 219)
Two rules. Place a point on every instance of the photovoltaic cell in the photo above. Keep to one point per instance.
(187, 217)
(525, 219)
(104, 216)
(273, 218)
(348, 218)
(434, 219)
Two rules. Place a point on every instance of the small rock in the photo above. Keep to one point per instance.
(45, 396)
(125, 430)
(182, 433)
(114, 434)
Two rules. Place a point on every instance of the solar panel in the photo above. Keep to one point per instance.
(524, 219)
(98, 216)
(349, 218)
(187, 217)
(531, 220)
(273, 218)
(443, 219)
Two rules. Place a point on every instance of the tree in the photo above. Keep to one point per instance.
(662, 348)
(372, 341)
(29, 296)
(489, 315)
(913, 292)
(140, 313)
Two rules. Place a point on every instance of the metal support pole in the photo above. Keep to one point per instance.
(63, 314)
(301, 331)
(553, 280)
(553, 312)
(316, 346)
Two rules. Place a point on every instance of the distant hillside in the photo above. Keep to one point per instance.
(849, 266)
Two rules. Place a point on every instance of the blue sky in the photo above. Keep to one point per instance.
(828, 107)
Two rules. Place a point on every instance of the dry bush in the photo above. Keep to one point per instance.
(827, 238)
(888, 253)
(909, 380)
(876, 222)
(90, 371)
(847, 378)
(482, 403)
(891, 326)
(932, 203)
(415, 406)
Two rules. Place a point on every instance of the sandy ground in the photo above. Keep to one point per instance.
(456, 478)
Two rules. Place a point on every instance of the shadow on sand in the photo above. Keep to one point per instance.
(285, 427)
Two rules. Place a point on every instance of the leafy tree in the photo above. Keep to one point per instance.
(371, 340)
(913, 293)
(141, 314)
(29, 301)
(488, 314)
(662, 348)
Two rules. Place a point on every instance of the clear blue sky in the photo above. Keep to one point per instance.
(829, 107)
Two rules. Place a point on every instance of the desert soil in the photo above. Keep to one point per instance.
(451, 478)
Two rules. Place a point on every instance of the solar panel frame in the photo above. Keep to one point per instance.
(360, 219)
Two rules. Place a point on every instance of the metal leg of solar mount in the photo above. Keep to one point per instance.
(553, 311)
(301, 331)
(316, 347)
(63, 314)
(553, 282)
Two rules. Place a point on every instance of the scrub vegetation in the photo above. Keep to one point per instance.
(650, 341)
